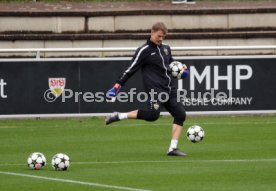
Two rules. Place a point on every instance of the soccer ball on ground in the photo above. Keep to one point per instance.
(177, 69)
(36, 161)
(60, 161)
(195, 133)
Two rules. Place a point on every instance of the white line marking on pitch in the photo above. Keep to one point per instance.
(178, 161)
(73, 181)
(9, 164)
(166, 124)
(202, 123)
(168, 161)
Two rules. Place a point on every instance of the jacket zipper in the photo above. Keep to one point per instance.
(163, 62)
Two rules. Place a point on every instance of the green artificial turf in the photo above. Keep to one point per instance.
(237, 153)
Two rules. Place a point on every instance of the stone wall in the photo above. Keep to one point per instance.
(224, 27)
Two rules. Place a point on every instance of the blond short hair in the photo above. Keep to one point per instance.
(159, 26)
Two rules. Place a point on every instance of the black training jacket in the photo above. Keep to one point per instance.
(154, 62)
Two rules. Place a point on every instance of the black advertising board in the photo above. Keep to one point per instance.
(234, 84)
(78, 86)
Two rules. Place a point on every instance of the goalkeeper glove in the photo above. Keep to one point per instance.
(112, 93)
(185, 72)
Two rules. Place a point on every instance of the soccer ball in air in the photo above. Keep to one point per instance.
(36, 161)
(177, 69)
(195, 133)
(60, 161)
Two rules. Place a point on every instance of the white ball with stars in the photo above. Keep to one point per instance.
(61, 162)
(36, 161)
(176, 69)
(195, 133)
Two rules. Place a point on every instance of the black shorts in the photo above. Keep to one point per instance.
(170, 102)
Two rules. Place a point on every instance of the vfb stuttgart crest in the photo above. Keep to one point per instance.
(166, 51)
(57, 86)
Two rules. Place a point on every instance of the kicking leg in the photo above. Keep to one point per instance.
(120, 116)
(151, 114)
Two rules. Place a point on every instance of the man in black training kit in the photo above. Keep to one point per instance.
(153, 58)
